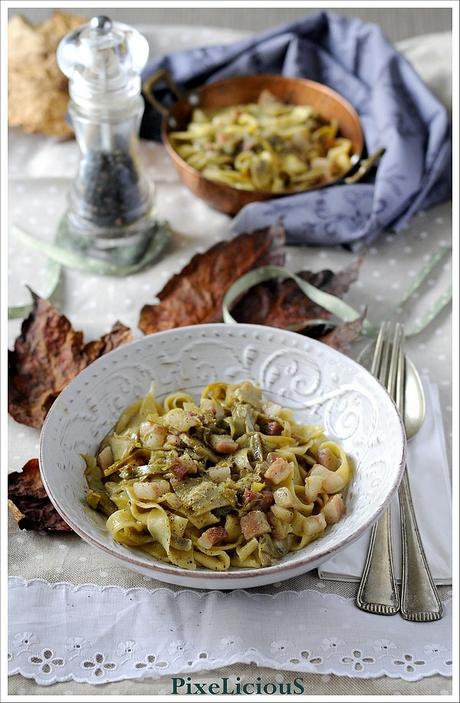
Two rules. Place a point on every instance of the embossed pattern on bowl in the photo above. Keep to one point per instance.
(318, 383)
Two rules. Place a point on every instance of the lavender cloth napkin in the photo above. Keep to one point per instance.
(396, 108)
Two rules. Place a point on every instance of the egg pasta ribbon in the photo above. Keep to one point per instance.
(231, 480)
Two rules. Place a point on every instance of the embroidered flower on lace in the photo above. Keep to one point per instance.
(383, 645)
(47, 661)
(98, 666)
(331, 643)
(227, 642)
(23, 640)
(178, 647)
(76, 644)
(434, 649)
(310, 658)
(408, 663)
(357, 660)
(147, 663)
(279, 646)
(103, 656)
(126, 649)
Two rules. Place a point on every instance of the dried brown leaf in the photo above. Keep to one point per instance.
(29, 503)
(343, 335)
(37, 89)
(47, 355)
(195, 295)
(282, 303)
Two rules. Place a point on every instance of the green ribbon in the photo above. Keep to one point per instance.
(434, 310)
(336, 306)
(424, 272)
(60, 254)
(53, 275)
(329, 302)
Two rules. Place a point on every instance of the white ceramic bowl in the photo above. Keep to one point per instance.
(318, 383)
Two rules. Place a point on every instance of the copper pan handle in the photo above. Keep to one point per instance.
(365, 166)
(162, 75)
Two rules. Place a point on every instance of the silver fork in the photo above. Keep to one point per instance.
(377, 591)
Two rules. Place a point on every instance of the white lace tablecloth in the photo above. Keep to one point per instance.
(80, 619)
(96, 634)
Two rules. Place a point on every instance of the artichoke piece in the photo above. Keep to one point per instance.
(255, 444)
(232, 427)
(270, 548)
(265, 551)
(262, 170)
(201, 496)
(243, 417)
(212, 410)
(183, 544)
(128, 417)
(149, 404)
(96, 496)
(122, 445)
(199, 521)
(273, 442)
(100, 501)
(161, 460)
(223, 511)
(105, 458)
(93, 473)
(126, 466)
(241, 460)
(247, 480)
(248, 393)
(199, 448)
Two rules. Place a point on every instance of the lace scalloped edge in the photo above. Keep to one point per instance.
(195, 662)
(255, 658)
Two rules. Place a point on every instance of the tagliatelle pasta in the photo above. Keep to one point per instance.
(232, 480)
(265, 146)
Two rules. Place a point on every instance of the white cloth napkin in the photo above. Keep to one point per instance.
(431, 494)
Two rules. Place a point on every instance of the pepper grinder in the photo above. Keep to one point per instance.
(110, 206)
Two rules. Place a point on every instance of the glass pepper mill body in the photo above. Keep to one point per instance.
(110, 213)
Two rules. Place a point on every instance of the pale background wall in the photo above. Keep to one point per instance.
(396, 23)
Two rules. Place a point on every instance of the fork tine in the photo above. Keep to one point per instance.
(386, 349)
(378, 350)
(394, 361)
(387, 357)
(401, 376)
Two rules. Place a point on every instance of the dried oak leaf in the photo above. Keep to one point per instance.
(343, 335)
(47, 355)
(282, 303)
(29, 503)
(195, 295)
(37, 89)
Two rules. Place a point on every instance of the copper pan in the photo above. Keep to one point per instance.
(241, 90)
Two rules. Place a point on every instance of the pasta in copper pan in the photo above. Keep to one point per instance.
(266, 146)
(232, 480)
